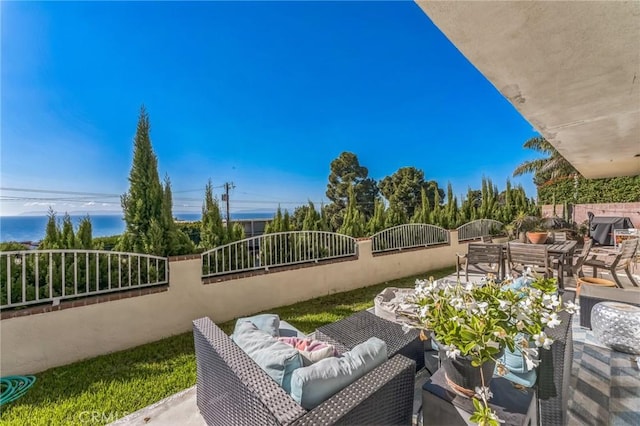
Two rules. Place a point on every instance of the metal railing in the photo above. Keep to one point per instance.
(39, 276)
(478, 228)
(277, 249)
(408, 236)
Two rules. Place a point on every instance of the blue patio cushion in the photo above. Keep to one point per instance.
(518, 283)
(517, 366)
(265, 322)
(312, 385)
(276, 358)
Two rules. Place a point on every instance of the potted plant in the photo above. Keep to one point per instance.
(522, 223)
(583, 230)
(472, 324)
(538, 232)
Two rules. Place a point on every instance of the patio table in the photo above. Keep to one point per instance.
(359, 327)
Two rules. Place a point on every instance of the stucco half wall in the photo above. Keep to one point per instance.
(34, 343)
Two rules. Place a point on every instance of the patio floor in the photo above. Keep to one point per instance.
(605, 390)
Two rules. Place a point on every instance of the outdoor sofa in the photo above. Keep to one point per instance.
(233, 389)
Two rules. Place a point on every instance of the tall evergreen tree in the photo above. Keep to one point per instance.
(450, 217)
(177, 242)
(403, 190)
(67, 237)
(85, 233)
(377, 221)
(52, 234)
(422, 214)
(347, 172)
(353, 224)
(211, 229)
(143, 202)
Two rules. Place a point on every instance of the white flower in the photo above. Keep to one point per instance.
(452, 352)
(542, 340)
(423, 311)
(468, 286)
(550, 300)
(483, 392)
(457, 303)
(531, 363)
(482, 306)
(571, 307)
(504, 303)
(550, 319)
(457, 319)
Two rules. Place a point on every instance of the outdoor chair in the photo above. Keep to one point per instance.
(484, 257)
(233, 390)
(574, 264)
(578, 260)
(616, 261)
(521, 256)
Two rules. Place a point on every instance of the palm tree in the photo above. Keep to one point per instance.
(553, 166)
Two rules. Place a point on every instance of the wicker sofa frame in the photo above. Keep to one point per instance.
(554, 372)
(233, 390)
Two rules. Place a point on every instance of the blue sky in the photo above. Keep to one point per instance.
(261, 94)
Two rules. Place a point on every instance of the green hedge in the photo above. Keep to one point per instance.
(609, 190)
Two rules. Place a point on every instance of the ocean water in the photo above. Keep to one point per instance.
(32, 228)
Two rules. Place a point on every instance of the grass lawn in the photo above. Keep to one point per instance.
(102, 389)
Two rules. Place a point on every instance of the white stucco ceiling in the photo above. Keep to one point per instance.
(571, 68)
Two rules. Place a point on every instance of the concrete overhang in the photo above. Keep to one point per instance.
(571, 68)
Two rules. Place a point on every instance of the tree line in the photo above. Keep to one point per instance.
(358, 205)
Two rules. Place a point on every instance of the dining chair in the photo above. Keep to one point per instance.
(578, 260)
(616, 261)
(483, 257)
(521, 256)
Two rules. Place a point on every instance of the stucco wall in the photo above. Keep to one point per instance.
(37, 342)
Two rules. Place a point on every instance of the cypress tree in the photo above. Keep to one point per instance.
(312, 219)
(353, 224)
(52, 233)
(84, 234)
(450, 217)
(377, 221)
(177, 242)
(421, 214)
(211, 229)
(143, 202)
(436, 212)
(67, 237)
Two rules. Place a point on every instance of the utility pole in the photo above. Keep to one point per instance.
(225, 197)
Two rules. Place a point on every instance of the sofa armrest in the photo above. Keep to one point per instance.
(554, 372)
(231, 387)
(384, 396)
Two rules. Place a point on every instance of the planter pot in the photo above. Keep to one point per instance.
(537, 237)
(462, 373)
